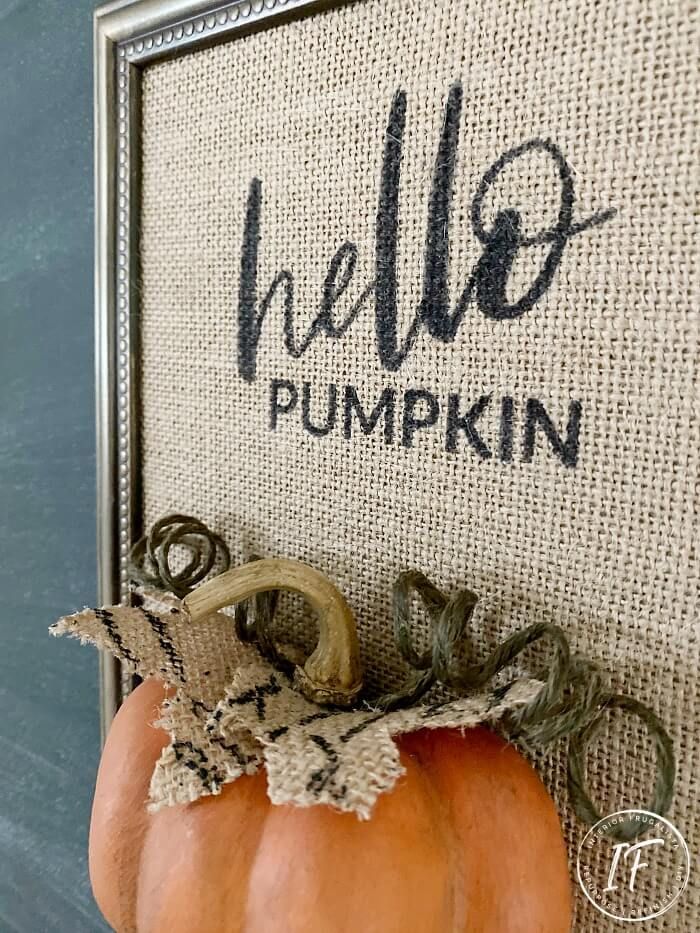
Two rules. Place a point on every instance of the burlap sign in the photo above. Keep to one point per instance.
(418, 291)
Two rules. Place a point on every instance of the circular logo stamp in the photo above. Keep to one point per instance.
(636, 880)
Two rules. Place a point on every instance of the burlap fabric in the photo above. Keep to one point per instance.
(232, 712)
(558, 477)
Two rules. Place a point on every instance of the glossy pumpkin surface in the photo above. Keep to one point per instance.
(468, 841)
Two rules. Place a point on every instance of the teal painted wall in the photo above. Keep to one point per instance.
(49, 734)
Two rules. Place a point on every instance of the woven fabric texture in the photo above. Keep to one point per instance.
(474, 223)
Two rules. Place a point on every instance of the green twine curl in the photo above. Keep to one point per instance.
(149, 560)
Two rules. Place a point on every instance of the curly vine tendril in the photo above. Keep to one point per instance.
(571, 704)
(149, 560)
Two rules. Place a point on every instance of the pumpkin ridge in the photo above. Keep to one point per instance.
(246, 921)
(120, 823)
(412, 745)
(498, 782)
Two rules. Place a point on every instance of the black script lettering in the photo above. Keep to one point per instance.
(331, 411)
(466, 423)
(277, 406)
(501, 244)
(486, 286)
(250, 321)
(386, 237)
(435, 303)
(536, 416)
(413, 399)
(343, 265)
(505, 442)
(386, 406)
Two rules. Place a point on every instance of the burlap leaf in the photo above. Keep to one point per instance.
(231, 711)
(156, 638)
(197, 762)
(341, 758)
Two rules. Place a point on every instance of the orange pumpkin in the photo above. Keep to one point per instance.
(468, 842)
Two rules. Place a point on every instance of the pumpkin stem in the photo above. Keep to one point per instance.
(331, 674)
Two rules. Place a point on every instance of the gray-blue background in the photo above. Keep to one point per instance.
(48, 688)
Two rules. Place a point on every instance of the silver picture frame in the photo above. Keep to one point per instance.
(128, 36)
